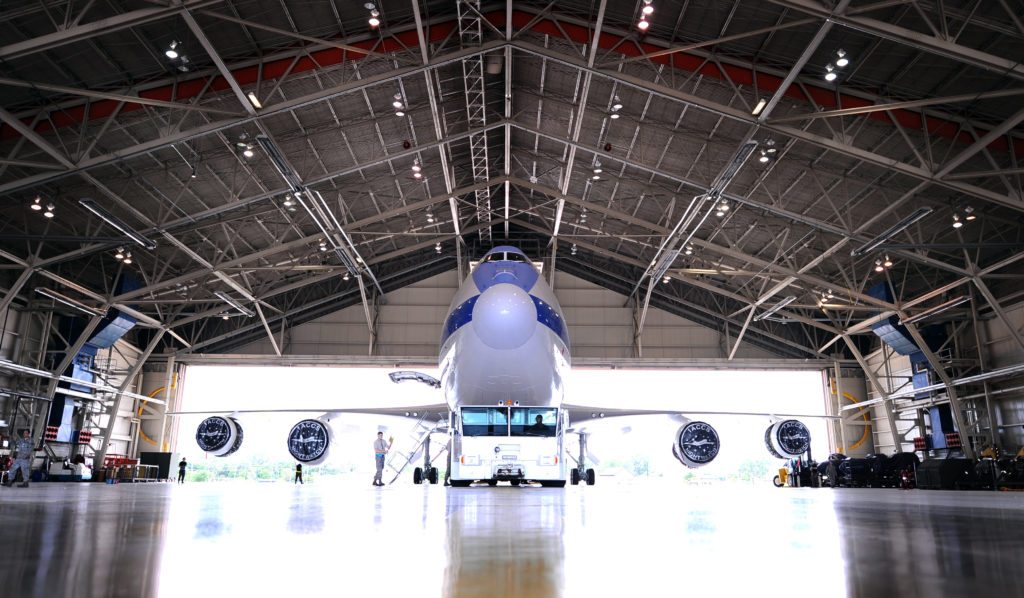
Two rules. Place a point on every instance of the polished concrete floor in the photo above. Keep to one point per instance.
(654, 538)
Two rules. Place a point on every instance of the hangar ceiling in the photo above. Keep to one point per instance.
(509, 109)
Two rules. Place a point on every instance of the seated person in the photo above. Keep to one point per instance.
(539, 428)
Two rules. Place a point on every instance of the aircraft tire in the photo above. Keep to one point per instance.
(777, 481)
(833, 475)
(417, 476)
(591, 477)
(514, 482)
(432, 475)
(574, 477)
(492, 483)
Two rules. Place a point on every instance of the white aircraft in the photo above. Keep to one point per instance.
(503, 359)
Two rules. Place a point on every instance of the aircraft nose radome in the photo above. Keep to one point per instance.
(504, 316)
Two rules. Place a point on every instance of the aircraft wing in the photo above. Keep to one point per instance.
(582, 413)
(411, 411)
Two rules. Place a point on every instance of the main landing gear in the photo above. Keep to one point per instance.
(427, 473)
(581, 472)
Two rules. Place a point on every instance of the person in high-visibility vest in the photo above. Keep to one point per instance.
(298, 474)
(380, 450)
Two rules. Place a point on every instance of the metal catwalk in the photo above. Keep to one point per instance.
(645, 539)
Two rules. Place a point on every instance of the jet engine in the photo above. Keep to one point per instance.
(219, 436)
(309, 441)
(787, 439)
(696, 444)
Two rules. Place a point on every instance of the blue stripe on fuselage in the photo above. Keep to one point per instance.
(463, 314)
(549, 316)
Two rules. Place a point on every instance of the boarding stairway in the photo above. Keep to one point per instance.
(420, 437)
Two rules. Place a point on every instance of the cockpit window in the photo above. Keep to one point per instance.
(484, 421)
(506, 256)
(534, 421)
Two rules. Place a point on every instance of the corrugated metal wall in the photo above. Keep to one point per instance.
(409, 324)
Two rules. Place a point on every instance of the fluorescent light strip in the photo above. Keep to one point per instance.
(116, 223)
(92, 311)
(226, 299)
(899, 226)
(776, 307)
(936, 310)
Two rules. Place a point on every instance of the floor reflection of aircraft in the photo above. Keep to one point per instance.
(503, 359)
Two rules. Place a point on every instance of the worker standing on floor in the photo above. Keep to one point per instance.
(380, 450)
(23, 450)
(298, 474)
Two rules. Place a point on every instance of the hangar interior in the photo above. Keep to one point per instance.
(824, 184)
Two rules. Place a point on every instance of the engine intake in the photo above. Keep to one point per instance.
(696, 444)
(787, 439)
(309, 441)
(219, 436)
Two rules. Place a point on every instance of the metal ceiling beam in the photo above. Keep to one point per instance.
(166, 141)
(967, 97)
(128, 99)
(920, 41)
(100, 27)
(796, 133)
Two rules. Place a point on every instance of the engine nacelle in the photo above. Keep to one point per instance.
(787, 439)
(696, 444)
(309, 441)
(219, 436)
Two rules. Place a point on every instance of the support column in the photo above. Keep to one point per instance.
(878, 389)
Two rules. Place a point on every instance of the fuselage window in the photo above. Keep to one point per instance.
(484, 421)
(534, 421)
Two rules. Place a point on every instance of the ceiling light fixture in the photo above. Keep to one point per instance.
(764, 157)
(255, 101)
(573, 250)
(37, 204)
(689, 250)
(92, 311)
(49, 210)
(878, 266)
(936, 310)
(226, 299)
(617, 104)
(247, 152)
(761, 103)
(776, 307)
(956, 221)
(398, 102)
(128, 257)
(666, 279)
(374, 17)
(430, 217)
(120, 253)
(841, 59)
(345, 277)
(597, 167)
(647, 9)
(172, 50)
(288, 201)
(970, 213)
(888, 262)
(643, 24)
(830, 72)
(891, 232)
(116, 223)
(437, 247)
